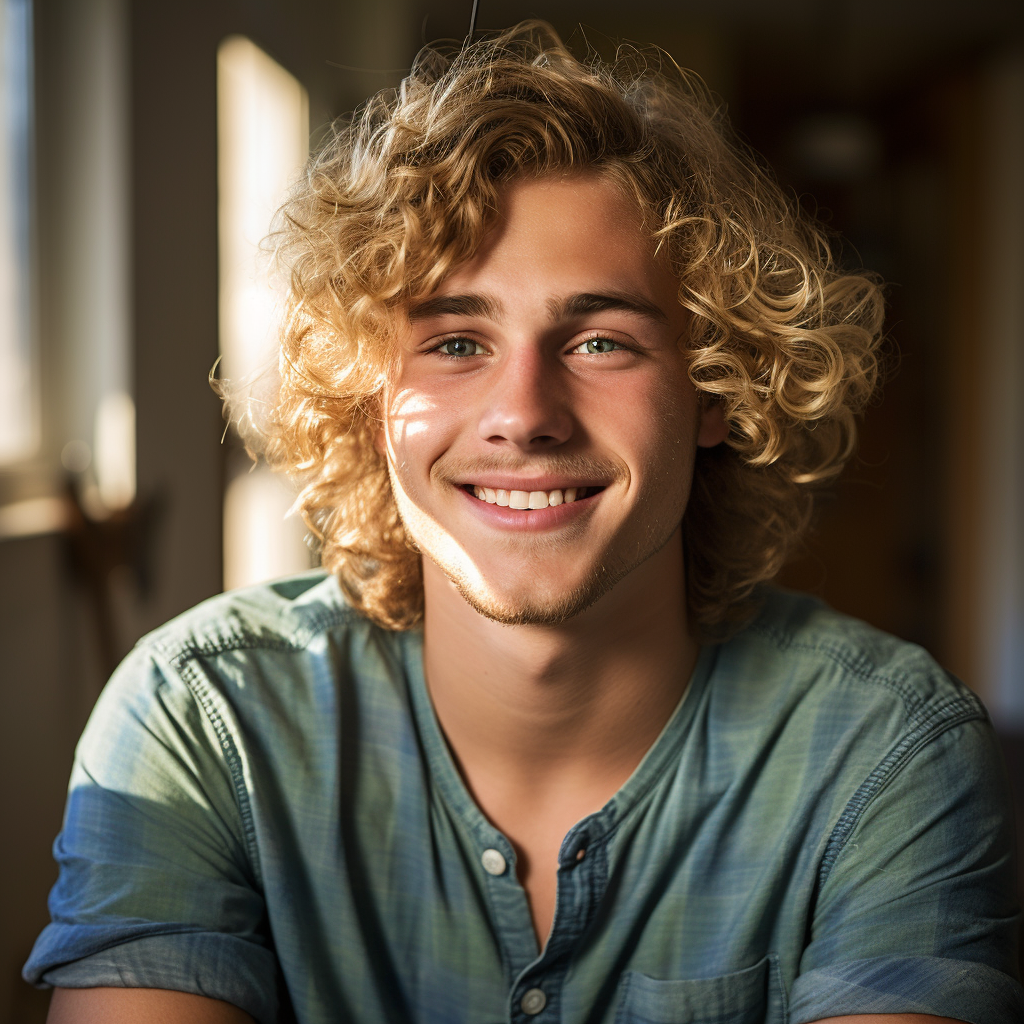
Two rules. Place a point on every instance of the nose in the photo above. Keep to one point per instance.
(525, 405)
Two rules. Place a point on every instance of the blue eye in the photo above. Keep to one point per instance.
(598, 346)
(460, 347)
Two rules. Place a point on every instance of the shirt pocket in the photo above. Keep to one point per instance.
(739, 998)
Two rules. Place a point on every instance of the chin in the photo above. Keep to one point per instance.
(534, 609)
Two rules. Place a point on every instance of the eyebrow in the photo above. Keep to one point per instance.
(560, 309)
(455, 305)
(581, 305)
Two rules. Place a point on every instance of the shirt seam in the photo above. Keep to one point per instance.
(182, 652)
(229, 751)
(780, 982)
(859, 665)
(182, 657)
(938, 721)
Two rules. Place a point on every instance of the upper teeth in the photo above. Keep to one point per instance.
(528, 499)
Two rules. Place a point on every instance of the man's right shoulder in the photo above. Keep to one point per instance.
(280, 614)
(297, 631)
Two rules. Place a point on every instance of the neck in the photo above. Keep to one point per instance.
(573, 705)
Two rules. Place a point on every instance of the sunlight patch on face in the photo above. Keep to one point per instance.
(415, 428)
(458, 566)
(408, 416)
(407, 402)
(430, 537)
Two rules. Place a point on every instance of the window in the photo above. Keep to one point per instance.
(19, 417)
(263, 138)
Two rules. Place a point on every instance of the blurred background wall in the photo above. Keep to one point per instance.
(126, 228)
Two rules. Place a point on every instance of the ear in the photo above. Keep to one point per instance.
(380, 441)
(713, 428)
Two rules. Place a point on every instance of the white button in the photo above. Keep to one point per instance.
(493, 862)
(533, 1001)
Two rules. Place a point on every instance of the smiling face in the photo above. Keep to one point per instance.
(541, 427)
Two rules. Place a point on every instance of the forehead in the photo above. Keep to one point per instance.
(563, 235)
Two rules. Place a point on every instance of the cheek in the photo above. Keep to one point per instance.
(669, 442)
(418, 424)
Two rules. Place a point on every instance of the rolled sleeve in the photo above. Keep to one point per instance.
(217, 966)
(916, 912)
(964, 990)
(157, 885)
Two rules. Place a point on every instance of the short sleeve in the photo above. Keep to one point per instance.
(916, 911)
(158, 884)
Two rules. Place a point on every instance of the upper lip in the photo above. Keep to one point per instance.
(541, 483)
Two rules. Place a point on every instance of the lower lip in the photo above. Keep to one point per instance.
(549, 518)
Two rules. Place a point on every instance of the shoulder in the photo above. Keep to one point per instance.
(286, 614)
(259, 661)
(800, 650)
(835, 709)
(299, 625)
(889, 767)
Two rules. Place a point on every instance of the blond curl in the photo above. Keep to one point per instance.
(405, 191)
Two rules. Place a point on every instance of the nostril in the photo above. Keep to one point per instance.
(525, 422)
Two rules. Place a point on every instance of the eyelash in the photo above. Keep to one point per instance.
(469, 341)
(451, 341)
(599, 337)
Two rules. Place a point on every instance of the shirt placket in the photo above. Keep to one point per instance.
(536, 993)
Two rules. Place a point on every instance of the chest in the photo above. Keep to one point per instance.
(441, 928)
(537, 869)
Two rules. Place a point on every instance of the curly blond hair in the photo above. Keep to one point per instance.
(405, 191)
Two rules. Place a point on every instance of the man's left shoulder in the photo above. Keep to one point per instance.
(818, 661)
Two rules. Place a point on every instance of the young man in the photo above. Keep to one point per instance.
(560, 370)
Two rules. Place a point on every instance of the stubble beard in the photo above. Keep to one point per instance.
(524, 611)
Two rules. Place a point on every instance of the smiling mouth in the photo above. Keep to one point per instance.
(530, 500)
